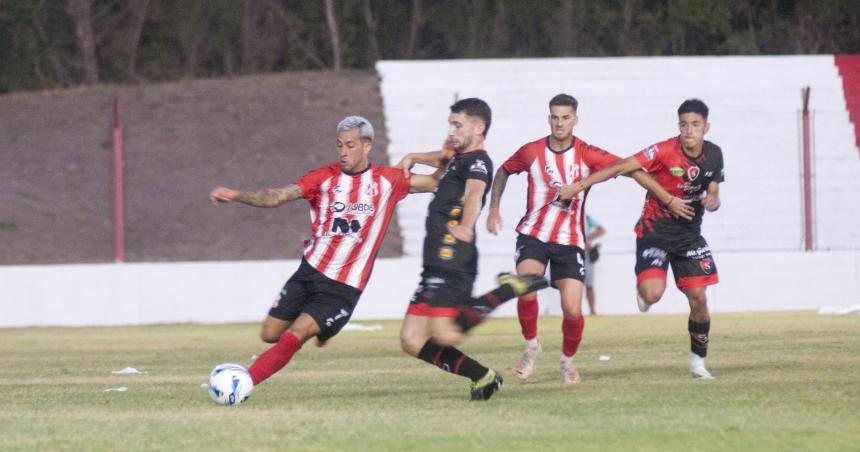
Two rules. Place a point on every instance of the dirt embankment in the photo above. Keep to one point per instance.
(182, 139)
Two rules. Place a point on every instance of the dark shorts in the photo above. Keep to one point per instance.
(328, 302)
(564, 261)
(440, 293)
(690, 256)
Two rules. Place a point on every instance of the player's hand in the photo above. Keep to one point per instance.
(223, 195)
(406, 164)
(494, 221)
(681, 207)
(567, 192)
(711, 202)
(462, 233)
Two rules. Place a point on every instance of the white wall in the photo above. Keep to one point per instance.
(129, 294)
(629, 103)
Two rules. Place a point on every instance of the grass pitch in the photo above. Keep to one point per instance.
(785, 381)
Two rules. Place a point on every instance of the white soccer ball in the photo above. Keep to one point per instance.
(230, 384)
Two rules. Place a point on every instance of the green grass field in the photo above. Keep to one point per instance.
(785, 381)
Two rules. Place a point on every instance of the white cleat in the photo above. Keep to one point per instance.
(526, 366)
(643, 306)
(697, 368)
(569, 373)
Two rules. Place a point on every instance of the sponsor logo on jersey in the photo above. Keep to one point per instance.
(707, 265)
(709, 173)
(676, 171)
(478, 167)
(656, 255)
(693, 172)
(358, 208)
(446, 253)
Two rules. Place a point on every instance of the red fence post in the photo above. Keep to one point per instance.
(808, 219)
(118, 186)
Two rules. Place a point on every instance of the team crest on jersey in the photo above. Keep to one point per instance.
(371, 189)
(479, 167)
(650, 152)
(707, 265)
(676, 171)
(692, 172)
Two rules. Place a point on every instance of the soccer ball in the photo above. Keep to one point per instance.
(230, 384)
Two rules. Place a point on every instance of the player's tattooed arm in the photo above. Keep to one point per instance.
(678, 206)
(494, 217)
(268, 197)
(711, 201)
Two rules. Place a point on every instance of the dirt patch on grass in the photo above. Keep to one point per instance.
(182, 139)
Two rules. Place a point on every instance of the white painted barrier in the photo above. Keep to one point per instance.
(208, 292)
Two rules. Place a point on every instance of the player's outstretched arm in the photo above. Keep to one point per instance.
(494, 217)
(423, 183)
(625, 166)
(465, 231)
(678, 206)
(435, 159)
(711, 201)
(268, 197)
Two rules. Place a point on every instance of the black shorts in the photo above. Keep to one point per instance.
(329, 302)
(565, 261)
(690, 256)
(440, 293)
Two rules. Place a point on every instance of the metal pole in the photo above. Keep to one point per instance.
(118, 185)
(807, 174)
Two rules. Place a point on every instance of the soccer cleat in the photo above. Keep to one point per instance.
(569, 373)
(484, 388)
(697, 368)
(526, 366)
(643, 305)
(522, 284)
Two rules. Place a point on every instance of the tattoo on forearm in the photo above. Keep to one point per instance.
(498, 188)
(270, 197)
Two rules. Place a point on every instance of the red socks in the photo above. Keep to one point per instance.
(527, 312)
(275, 358)
(572, 332)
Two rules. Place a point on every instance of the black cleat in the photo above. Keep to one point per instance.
(484, 388)
(522, 284)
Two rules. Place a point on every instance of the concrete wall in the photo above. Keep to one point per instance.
(128, 294)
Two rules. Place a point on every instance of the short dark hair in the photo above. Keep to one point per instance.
(564, 99)
(693, 106)
(473, 106)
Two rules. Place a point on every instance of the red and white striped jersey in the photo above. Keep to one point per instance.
(546, 219)
(349, 216)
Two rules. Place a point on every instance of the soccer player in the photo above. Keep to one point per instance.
(551, 231)
(442, 309)
(351, 204)
(691, 169)
(593, 231)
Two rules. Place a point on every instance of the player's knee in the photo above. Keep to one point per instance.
(410, 345)
(269, 336)
(651, 295)
(447, 338)
(571, 313)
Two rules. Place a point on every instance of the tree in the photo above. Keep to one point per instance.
(79, 11)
